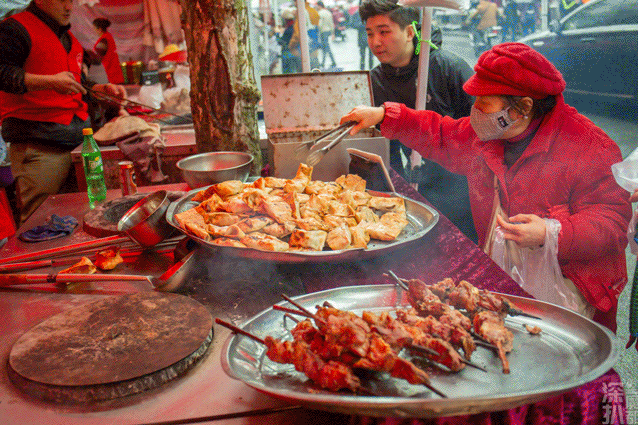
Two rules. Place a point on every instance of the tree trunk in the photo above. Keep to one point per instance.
(223, 92)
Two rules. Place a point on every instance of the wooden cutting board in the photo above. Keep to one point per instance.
(111, 347)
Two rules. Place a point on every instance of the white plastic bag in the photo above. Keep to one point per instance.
(626, 172)
(537, 270)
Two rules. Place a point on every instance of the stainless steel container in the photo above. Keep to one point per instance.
(300, 107)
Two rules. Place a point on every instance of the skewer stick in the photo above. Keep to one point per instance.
(238, 330)
(303, 309)
(400, 282)
(292, 311)
(435, 353)
(299, 306)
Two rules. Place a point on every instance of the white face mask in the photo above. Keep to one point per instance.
(490, 126)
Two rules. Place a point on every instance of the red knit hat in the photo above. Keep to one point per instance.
(514, 69)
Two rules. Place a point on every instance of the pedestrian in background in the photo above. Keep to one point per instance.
(392, 38)
(326, 32)
(107, 52)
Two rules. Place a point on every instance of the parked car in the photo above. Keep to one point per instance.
(595, 47)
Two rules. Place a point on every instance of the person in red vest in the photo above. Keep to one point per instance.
(42, 109)
(105, 49)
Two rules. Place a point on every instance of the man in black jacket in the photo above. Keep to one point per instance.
(392, 39)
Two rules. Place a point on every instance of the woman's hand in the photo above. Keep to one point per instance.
(364, 116)
(527, 230)
(634, 196)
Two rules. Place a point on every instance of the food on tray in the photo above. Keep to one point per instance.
(338, 349)
(534, 330)
(108, 259)
(486, 309)
(84, 266)
(298, 214)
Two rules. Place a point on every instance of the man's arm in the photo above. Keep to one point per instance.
(15, 45)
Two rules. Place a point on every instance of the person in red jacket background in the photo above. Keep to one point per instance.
(42, 109)
(529, 155)
(106, 50)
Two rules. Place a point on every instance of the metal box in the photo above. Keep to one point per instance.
(301, 107)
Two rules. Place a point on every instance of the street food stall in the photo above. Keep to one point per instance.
(564, 368)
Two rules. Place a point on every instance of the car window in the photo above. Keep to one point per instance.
(604, 13)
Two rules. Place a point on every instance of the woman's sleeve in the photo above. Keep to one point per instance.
(599, 212)
(442, 139)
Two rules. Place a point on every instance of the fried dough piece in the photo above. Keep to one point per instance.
(228, 242)
(84, 266)
(360, 237)
(212, 203)
(312, 239)
(279, 211)
(366, 215)
(352, 182)
(254, 224)
(232, 231)
(228, 188)
(221, 218)
(236, 205)
(339, 208)
(304, 172)
(333, 221)
(264, 242)
(193, 222)
(312, 223)
(339, 238)
(279, 230)
(108, 259)
(382, 203)
(204, 194)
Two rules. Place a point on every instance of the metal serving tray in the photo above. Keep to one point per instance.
(422, 218)
(570, 351)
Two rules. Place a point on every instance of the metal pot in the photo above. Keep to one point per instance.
(145, 222)
(209, 168)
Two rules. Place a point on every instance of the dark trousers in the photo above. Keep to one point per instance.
(324, 43)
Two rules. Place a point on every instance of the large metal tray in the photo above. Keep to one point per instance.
(422, 218)
(570, 351)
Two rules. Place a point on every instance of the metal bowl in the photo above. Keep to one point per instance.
(145, 222)
(209, 168)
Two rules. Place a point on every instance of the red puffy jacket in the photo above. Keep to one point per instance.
(564, 174)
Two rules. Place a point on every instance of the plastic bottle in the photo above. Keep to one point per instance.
(93, 169)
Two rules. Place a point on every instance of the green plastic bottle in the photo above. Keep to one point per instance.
(93, 169)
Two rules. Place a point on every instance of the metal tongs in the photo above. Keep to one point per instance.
(309, 152)
(123, 102)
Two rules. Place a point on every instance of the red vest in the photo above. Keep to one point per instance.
(111, 61)
(47, 57)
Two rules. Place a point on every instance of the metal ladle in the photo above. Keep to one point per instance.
(169, 281)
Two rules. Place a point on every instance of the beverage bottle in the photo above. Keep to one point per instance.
(93, 169)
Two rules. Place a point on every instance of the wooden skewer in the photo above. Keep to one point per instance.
(303, 309)
(292, 311)
(427, 350)
(400, 282)
(238, 330)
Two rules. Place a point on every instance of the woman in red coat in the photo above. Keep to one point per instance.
(105, 49)
(534, 166)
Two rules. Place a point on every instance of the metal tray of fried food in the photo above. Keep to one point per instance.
(422, 218)
(570, 351)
